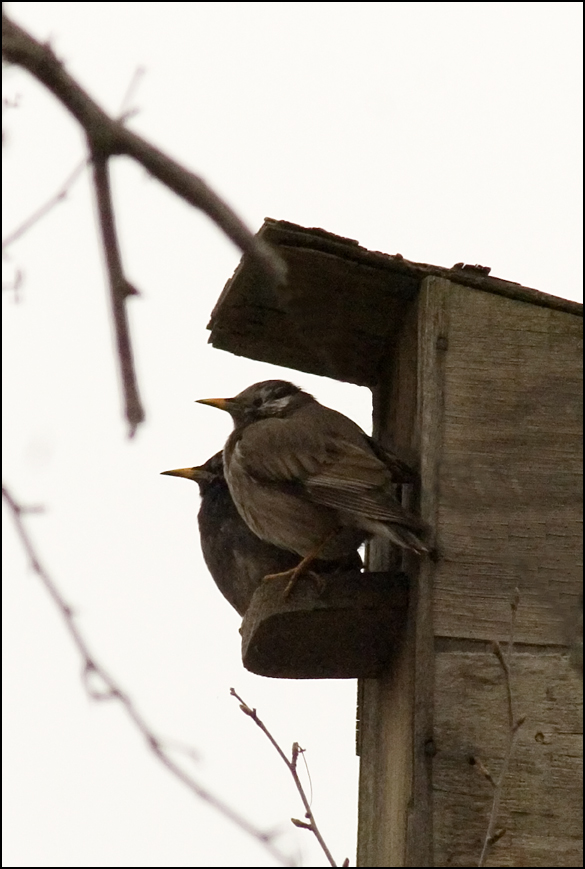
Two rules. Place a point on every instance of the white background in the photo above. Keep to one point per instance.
(442, 131)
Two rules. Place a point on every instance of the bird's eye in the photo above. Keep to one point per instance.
(257, 402)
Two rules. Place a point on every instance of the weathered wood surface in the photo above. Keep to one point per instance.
(396, 711)
(498, 431)
(335, 316)
(478, 382)
(509, 515)
(340, 307)
(541, 807)
(347, 628)
(511, 468)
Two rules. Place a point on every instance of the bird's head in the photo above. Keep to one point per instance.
(269, 398)
(206, 475)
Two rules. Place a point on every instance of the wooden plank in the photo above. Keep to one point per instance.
(486, 390)
(335, 316)
(298, 637)
(508, 515)
(396, 711)
(541, 806)
(340, 307)
(386, 704)
(432, 331)
(511, 469)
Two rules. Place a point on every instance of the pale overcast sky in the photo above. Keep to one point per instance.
(443, 131)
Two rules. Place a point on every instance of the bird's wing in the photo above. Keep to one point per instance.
(401, 472)
(299, 446)
(334, 463)
(283, 451)
(359, 483)
(329, 469)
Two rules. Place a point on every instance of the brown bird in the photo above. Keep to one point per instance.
(236, 558)
(306, 478)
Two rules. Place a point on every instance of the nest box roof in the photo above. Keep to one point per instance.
(341, 305)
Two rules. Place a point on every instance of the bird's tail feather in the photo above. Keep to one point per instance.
(400, 536)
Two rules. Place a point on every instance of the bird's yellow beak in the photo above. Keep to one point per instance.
(221, 403)
(188, 473)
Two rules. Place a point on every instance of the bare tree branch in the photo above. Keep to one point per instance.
(109, 137)
(120, 289)
(100, 685)
(292, 767)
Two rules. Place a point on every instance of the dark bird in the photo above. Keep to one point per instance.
(236, 558)
(306, 478)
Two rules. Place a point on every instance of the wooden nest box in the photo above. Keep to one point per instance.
(477, 382)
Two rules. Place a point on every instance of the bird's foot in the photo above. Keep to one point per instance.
(320, 582)
(294, 574)
(302, 568)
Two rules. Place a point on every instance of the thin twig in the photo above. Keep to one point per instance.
(292, 767)
(476, 761)
(514, 726)
(14, 285)
(109, 689)
(125, 111)
(120, 289)
(504, 662)
(57, 197)
(109, 136)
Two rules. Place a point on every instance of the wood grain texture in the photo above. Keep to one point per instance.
(508, 515)
(386, 704)
(335, 316)
(483, 392)
(396, 711)
(340, 307)
(341, 630)
(541, 807)
(478, 382)
(511, 469)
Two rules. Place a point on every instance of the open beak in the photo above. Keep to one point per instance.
(221, 403)
(188, 473)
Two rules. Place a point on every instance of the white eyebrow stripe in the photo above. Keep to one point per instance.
(279, 403)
